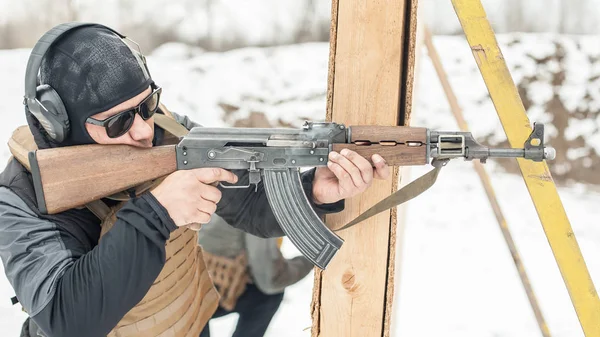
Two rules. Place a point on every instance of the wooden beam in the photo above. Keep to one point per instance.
(372, 47)
(543, 192)
(486, 182)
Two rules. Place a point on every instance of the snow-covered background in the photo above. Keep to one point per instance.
(225, 24)
(456, 276)
(456, 270)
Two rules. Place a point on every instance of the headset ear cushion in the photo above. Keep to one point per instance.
(57, 119)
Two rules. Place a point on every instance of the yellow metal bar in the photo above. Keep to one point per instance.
(516, 124)
(485, 181)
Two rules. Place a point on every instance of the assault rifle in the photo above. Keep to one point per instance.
(273, 157)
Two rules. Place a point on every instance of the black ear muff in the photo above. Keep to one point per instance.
(43, 101)
(50, 111)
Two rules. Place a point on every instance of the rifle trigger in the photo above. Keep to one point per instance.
(253, 179)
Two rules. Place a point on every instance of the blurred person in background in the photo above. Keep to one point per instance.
(250, 273)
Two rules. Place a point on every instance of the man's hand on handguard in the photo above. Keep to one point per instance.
(347, 174)
(189, 197)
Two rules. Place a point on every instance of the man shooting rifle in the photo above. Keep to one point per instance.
(94, 88)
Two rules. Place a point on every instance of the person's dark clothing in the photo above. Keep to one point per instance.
(256, 310)
(70, 283)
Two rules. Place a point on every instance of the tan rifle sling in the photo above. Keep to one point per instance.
(182, 298)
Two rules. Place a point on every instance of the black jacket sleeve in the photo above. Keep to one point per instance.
(250, 211)
(68, 292)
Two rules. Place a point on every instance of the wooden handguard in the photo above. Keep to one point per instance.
(73, 176)
(398, 145)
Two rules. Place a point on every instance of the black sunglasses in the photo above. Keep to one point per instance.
(117, 125)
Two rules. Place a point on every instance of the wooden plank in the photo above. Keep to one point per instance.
(368, 72)
(542, 189)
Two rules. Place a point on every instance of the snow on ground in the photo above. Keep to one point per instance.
(457, 277)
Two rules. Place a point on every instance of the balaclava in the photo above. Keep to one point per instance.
(92, 70)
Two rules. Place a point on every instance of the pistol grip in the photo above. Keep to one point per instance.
(297, 218)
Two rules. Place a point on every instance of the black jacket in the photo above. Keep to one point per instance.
(70, 284)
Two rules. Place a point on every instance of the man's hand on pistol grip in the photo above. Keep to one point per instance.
(189, 196)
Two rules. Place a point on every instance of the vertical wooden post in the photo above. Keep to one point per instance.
(543, 191)
(487, 184)
(372, 47)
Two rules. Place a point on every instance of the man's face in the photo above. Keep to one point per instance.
(141, 132)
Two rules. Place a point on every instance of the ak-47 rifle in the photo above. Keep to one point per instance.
(272, 156)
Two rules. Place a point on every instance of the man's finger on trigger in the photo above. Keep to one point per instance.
(214, 174)
(227, 176)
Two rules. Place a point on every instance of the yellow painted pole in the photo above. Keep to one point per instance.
(542, 189)
(485, 181)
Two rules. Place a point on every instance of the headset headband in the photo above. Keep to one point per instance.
(40, 49)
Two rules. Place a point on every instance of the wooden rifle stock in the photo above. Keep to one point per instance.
(72, 176)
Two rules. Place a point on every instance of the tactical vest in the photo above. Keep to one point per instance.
(182, 298)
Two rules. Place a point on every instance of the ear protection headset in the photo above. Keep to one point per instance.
(42, 100)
